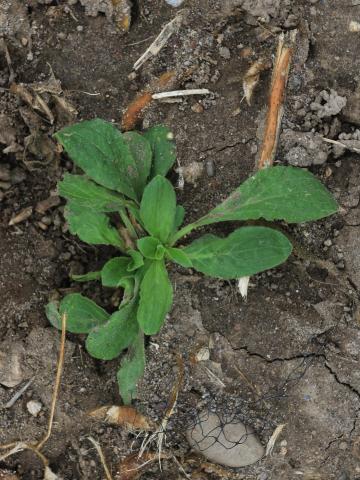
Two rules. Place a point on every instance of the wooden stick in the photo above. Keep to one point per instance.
(275, 110)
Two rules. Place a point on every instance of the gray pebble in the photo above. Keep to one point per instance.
(232, 444)
(225, 53)
(210, 168)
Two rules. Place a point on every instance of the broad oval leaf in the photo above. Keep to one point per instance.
(277, 193)
(156, 295)
(87, 194)
(244, 252)
(141, 151)
(82, 314)
(162, 144)
(131, 369)
(100, 150)
(178, 255)
(92, 227)
(108, 340)
(179, 217)
(158, 208)
(114, 271)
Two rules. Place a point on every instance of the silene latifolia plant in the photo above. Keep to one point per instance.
(123, 199)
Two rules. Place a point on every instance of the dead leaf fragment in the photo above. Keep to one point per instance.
(23, 215)
(127, 417)
(252, 77)
(7, 475)
(44, 205)
(132, 467)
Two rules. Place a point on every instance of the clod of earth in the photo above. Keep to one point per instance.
(232, 444)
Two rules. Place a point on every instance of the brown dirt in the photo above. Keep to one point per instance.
(297, 339)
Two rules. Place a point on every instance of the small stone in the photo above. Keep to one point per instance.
(197, 108)
(61, 35)
(80, 28)
(10, 366)
(24, 41)
(232, 444)
(34, 407)
(4, 173)
(328, 242)
(225, 53)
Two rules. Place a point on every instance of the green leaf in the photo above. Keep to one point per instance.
(275, 193)
(179, 256)
(82, 314)
(114, 271)
(131, 370)
(86, 277)
(108, 340)
(158, 208)
(136, 261)
(151, 248)
(87, 194)
(141, 151)
(92, 227)
(244, 252)
(156, 295)
(101, 151)
(163, 147)
(179, 217)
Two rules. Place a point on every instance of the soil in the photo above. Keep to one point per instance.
(290, 354)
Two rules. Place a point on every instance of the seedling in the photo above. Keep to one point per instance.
(123, 199)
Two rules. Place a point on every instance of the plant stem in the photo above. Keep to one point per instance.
(127, 223)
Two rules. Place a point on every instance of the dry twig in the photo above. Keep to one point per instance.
(275, 109)
(102, 457)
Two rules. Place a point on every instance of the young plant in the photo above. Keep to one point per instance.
(123, 199)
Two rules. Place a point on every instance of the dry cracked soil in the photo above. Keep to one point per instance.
(290, 354)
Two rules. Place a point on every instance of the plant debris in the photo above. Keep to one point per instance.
(127, 417)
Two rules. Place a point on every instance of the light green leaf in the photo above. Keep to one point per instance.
(179, 256)
(156, 296)
(163, 147)
(92, 227)
(179, 217)
(275, 193)
(82, 314)
(158, 208)
(136, 261)
(87, 194)
(131, 370)
(100, 150)
(151, 248)
(86, 277)
(108, 340)
(244, 252)
(114, 271)
(141, 151)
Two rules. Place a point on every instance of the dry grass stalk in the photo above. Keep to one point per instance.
(275, 109)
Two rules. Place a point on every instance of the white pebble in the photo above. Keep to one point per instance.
(34, 407)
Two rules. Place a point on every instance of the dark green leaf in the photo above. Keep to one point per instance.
(151, 248)
(103, 154)
(108, 340)
(86, 277)
(142, 154)
(87, 194)
(275, 193)
(136, 261)
(156, 297)
(158, 207)
(92, 227)
(131, 370)
(114, 271)
(179, 256)
(163, 147)
(82, 314)
(244, 252)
